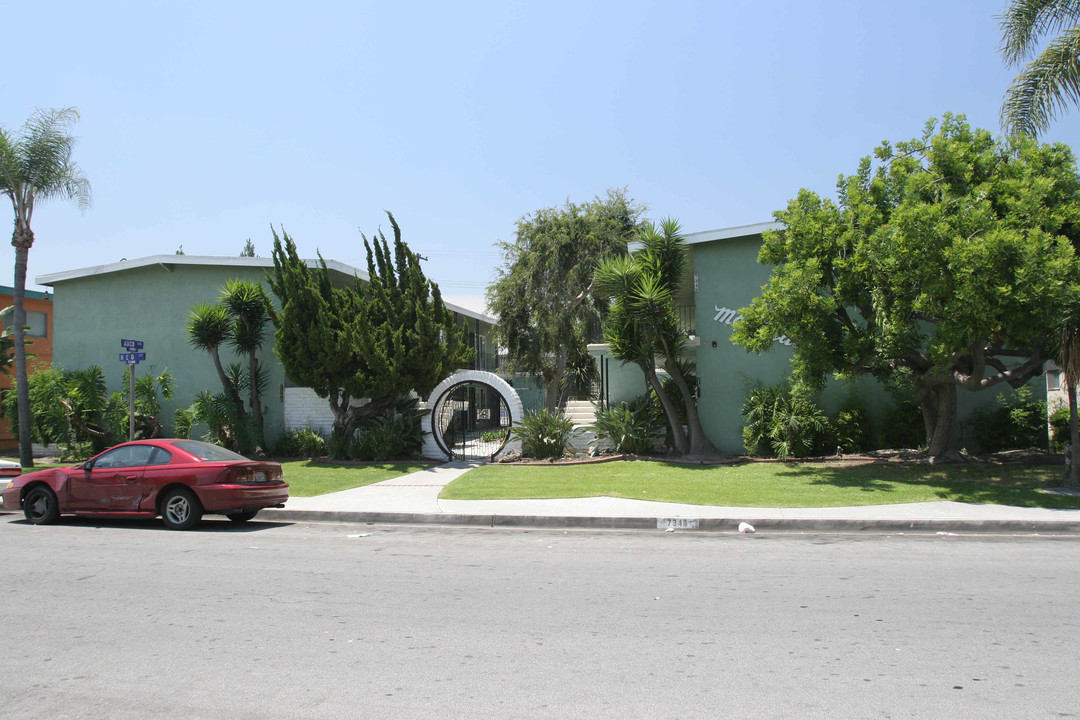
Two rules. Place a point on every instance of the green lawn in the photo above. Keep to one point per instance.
(768, 484)
(318, 477)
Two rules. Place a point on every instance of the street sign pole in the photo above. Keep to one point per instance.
(131, 402)
(132, 358)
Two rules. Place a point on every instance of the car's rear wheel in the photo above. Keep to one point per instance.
(40, 506)
(180, 509)
(242, 517)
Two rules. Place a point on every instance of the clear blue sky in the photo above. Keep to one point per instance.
(203, 123)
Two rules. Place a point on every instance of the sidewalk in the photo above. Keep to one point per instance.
(415, 499)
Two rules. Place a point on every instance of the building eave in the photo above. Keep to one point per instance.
(169, 262)
(728, 233)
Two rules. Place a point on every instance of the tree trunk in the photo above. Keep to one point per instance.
(682, 445)
(553, 391)
(938, 404)
(339, 405)
(699, 442)
(256, 401)
(700, 445)
(22, 239)
(1072, 479)
(227, 386)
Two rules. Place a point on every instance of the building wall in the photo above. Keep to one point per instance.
(39, 346)
(151, 303)
(93, 314)
(727, 277)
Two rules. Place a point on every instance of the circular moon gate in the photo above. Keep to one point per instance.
(471, 421)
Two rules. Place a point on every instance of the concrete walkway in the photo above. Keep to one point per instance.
(414, 498)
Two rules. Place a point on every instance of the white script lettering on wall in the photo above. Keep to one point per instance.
(729, 317)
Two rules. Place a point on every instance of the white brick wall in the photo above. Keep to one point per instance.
(305, 409)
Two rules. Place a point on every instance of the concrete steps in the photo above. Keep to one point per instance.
(583, 414)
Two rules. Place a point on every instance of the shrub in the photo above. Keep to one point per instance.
(903, 426)
(303, 442)
(493, 436)
(1016, 421)
(852, 427)
(781, 421)
(395, 434)
(219, 415)
(76, 410)
(630, 427)
(544, 434)
(1059, 423)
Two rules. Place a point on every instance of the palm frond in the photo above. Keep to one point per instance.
(208, 326)
(1046, 86)
(1024, 22)
(43, 153)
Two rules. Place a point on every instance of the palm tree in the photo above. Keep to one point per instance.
(209, 327)
(1049, 80)
(249, 308)
(643, 325)
(35, 165)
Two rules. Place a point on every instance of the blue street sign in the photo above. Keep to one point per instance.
(132, 358)
(131, 344)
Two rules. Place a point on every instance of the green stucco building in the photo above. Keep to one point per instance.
(722, 276)
(148, 299)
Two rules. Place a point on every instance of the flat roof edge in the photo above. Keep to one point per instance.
(219, 261)
(727, 233)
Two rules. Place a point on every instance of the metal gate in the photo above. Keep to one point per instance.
(471, 421)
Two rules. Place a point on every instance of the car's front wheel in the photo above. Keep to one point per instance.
(40, 506)
(242, 517)
(180, 509)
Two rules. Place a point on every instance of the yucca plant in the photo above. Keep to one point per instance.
(544, 434)
(630, 427)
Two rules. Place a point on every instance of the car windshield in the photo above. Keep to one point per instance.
(207, 451)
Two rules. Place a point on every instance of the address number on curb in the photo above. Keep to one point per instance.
(677, 523)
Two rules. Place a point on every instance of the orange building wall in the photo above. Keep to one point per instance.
(42, 347)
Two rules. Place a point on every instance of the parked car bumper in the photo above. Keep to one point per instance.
(237, 497)
(11, 498)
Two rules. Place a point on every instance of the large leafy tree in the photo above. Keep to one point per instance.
(948, 265)
(1049, 79)
(542, 293)
(1047, 84)
(372, 341)
(642, 326)
(35, 165)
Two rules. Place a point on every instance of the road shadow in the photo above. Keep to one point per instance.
(209, 524)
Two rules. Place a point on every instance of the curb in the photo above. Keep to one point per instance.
(798, 525)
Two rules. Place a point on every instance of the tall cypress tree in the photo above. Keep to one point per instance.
(376, 340)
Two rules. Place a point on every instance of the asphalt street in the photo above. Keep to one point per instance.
(293, 620)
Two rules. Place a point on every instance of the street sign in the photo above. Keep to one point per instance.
(132, 359)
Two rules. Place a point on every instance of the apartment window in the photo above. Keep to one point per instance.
(1053, 379)
(37, 324)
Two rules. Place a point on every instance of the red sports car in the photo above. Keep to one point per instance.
(180, 480)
